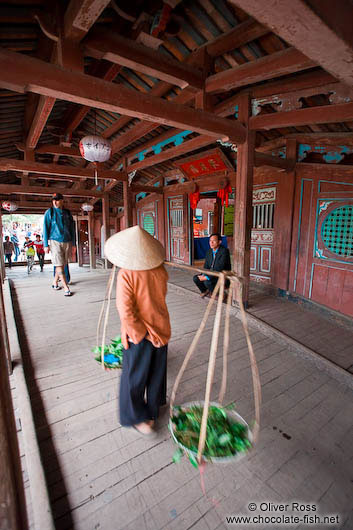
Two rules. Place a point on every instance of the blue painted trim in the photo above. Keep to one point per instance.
(333, 156)
(324, 258)
(335, 182)
(311, 279)
(177, 139)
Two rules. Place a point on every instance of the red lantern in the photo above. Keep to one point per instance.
(194, 197)
(223, 194)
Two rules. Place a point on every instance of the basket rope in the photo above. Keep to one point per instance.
(108, 293)
(213, 353)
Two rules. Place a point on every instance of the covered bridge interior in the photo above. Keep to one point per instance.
(230, 116)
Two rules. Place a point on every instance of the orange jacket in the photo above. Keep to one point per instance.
(140, 300)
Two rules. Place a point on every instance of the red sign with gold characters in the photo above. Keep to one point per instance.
(208, 163)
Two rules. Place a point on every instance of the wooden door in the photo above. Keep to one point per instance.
(177, 229)
(262, 235)
(322, 259)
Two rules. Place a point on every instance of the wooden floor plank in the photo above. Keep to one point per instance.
(103, 476)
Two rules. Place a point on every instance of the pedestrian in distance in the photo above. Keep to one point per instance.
(9, 249)
(38, 244)
(59, 238)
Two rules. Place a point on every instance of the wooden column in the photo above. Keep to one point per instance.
(106, 220)
(127, 205)
(243, 200)
(12, 512)
(117, 223)
(92, 250)
(283, 225)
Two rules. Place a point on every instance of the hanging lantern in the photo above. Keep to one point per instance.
(9, 206)
(223, 194)
(95, 149)
(87, 207)
(194, 197)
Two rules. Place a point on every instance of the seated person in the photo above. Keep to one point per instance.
(217, 259)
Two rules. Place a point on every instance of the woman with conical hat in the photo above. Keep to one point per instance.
(145, 326)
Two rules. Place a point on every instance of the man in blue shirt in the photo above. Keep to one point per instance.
(59, 238)
(217, 259)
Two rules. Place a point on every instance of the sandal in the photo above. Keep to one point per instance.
(67, 293)
(56, 287)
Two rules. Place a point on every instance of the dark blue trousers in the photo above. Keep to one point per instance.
(207, 285)
(142, 382)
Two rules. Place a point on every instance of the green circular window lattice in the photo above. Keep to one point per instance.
(148, 224)
(337, 231)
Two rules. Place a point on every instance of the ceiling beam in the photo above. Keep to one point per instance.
(240, 35)
(138, 188)
(74, 115)
(80, 16)
(44, 108)
(21, 73)
(315, 139)
(185, 147)
(275, 65)
(8, 164)
(54, 149)
(9, 189)
(325, 41)
(103, 44)
(262, 159)
(308, 116)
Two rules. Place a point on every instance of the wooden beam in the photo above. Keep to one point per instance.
(243, 202)
(329, 170)
(74, 115)
(326, 42)
(44, 108)
(55, 149)
(319, 139)
(261, 159)
(275, 65)
(240, 35)
(80, 17)
(19, 71)
(138, 188)
(185, 147)
(135, 133)
(103, 44)
(8, 164)
(8, 189)
(308, 116)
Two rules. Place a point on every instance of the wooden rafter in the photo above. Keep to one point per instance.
(314, 33)
(20, 71)
(308, 116)
(7, 164)
(268, 67)
(80, 17)
(127, 52)
(9, 189)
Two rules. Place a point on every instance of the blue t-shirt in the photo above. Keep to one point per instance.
(59, 226)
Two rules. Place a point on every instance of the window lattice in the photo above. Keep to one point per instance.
(148, 224)
(263, 215)
(337, 231)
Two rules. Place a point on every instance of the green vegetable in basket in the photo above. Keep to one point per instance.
(113, 353)
(224, 436)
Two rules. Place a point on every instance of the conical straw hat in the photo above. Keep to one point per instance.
(134, 249)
